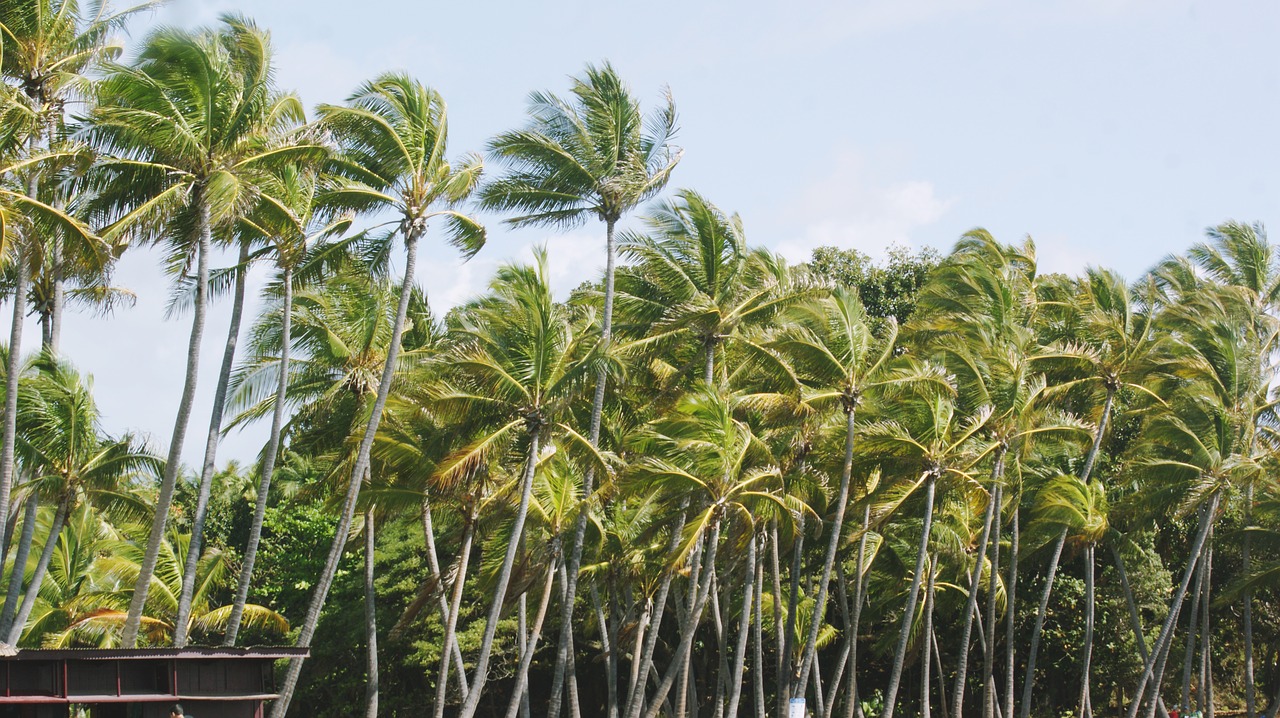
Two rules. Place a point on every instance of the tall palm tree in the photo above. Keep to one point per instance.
(188, 128)
(592, 155)
(518, 363)
(392, 137)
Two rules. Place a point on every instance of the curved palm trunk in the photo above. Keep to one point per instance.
(971, 603)
(564, 649)
(181, 623)
(30, 510)
(433, 561)
(635, 701)
(370, 621)
(757, 636)
(1250, 691)
(788, 668)
(13, 371)
(1154, 665)
(1189, 652)
(129, 635)
(744, 628)
(1028, 681)
(838, 671)
(268, 462)
(927, 633)
(518, 695)
(451, 621)
(859, 584)
(281, 706)
(1086, 700)
(608, 644)
(989, 647)
(904, 635)
(42, 568)
(481, 674)
(810, 653)
(686, 636)
(686, 664)
(1135, 623)
(1206, 657)
(1011, 591)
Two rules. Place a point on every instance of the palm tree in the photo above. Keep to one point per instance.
(594, 155)
(518, 362)
(188, 128)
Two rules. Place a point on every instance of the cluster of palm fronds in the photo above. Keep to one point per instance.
(722, 482)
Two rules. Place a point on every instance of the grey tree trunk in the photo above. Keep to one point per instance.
(757, 637)
(1189, 653)
(1011, 586)
(1206, 656)
(29, 514)
(268, 465)
(321, 594)
(526, 659)
(1086, 699)
(682, 689)
(609, 644)
(1028, 681)
(451, 620)
(989, 697)
(1135, 622)
(564, 649)
(370, 620)
(810, 652)
(1154, 665)
(13, 371)
(433, 561)
(133, 621)
(1250, 690)
(838, 671)
(971, 603)
(481, 673)
(42, 569)
(635, 700)
(927, 633)
(859, 584)
(181, 624)
(904, 634)
(744, 628)
(789, 669)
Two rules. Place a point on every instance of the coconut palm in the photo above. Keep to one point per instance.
(592, 155)
(187, 128)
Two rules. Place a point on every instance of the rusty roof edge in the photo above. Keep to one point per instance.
(90, 654)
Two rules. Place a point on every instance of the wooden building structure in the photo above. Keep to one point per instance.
(139, 683)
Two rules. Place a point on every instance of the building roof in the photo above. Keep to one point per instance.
(194, 652)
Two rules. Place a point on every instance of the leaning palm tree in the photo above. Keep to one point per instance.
(592, 155)
(188, 127)
(393, 139)
(519, 362)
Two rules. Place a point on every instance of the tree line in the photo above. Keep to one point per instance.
(709, 483)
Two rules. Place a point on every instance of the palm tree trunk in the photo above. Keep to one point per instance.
(609, 644)
(1028, 681)
(180, 626)
(433, 560)
(20, 561)
(904, 634)
(526, 658)
(779, 619)
(686, 638)
(927, 633)
(934, 650)
(989, 650)
(637, 650)
(790, 668)
(370, 620)
(42, 568)
(859, 584)
(971, 603)
(1135, 623)
(59, 299)
(133, 621)
(268, 465)
(1011, 593)
(1085, 697)
(682, 692)
(722, 651)
(451, 620)
(810, 653)
(1154, 665)
(481, 674)
(744, 628)
(1250, 691)
(1189, 652)
(635, 700)
(757, 635)
(13, 371)
(1206, 657)
(564, 650)
(838, 671)
(281, 707)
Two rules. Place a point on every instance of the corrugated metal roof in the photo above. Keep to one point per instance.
(194, 652)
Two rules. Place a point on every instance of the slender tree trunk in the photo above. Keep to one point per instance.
(1206, 656)
(13, 371)
(927, 634)
(481, 674)
(321, 594)
(859, 582)
(1010, 592)
(757, 636)
(846, 616)
(788, 639)
(1189, 652)
(370, 620)
(637, 650)
(1135, 623)
(451, 619)
(686, 638)
(810, 652)
(609, 644)
(971, 603)
(564, 650)
(181, 625)
(1250, 691)
(682, 690)
(526, 658)
(1089, 603)
(59, 299)
(30, 511)
(42, 568)
(904, 634)
(1154, 666)
(1028, 681)
(173, 464)
(722, 651)
(433, 561)
(635, 701)
(989, 697)
(268, 467)
(779, 619)
(935, 651)
(744, 628)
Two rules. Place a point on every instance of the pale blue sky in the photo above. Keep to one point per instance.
(1113, 132)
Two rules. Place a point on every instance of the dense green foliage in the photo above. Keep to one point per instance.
(704, 484)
